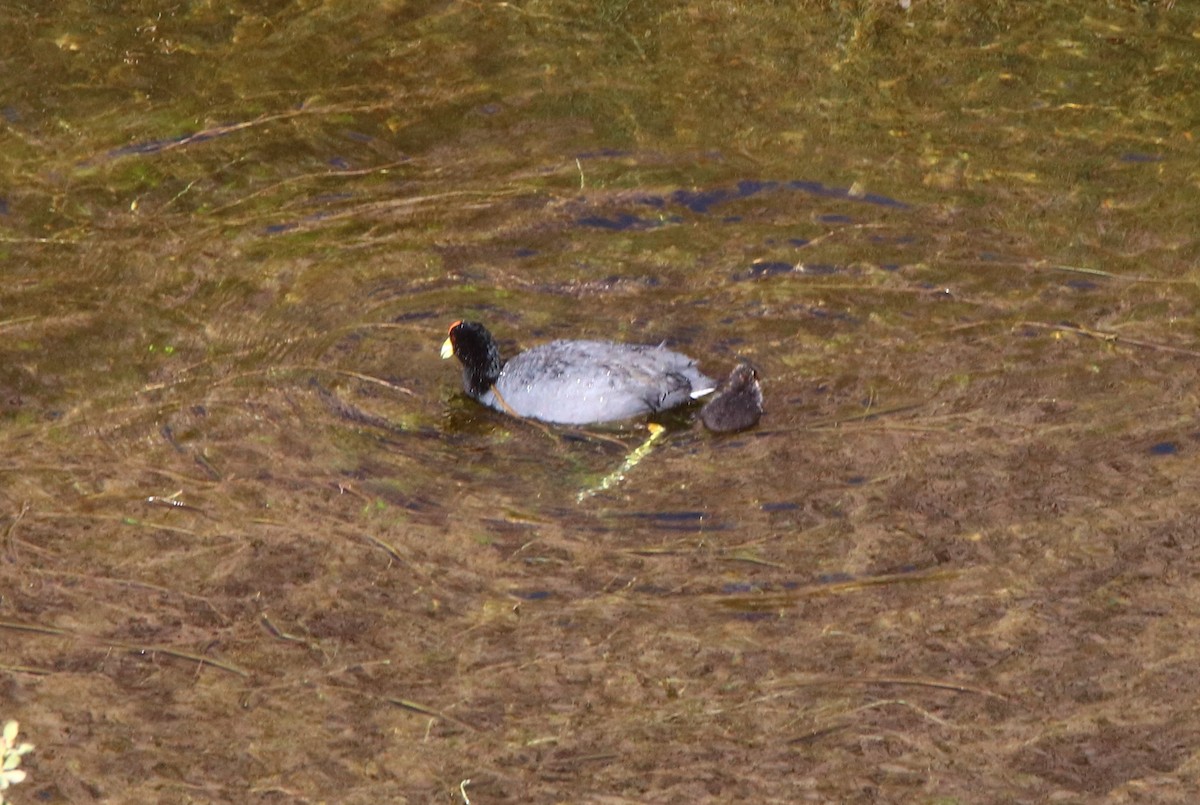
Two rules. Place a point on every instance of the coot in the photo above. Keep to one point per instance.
(738, 404)
(574, 382)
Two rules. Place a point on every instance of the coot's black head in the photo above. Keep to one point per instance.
(738, 404)
(473, 345)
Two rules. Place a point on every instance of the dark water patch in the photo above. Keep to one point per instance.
(856, 480)
(525, 252)
(1136, 156)
(1164, 449)
(157, 146)
(603, 153)
(749, 187)
(419, 315)
(678, 520)
(289, 226)
(832, 315)
(619, 223)
(1082, 285)
(350, 341)
(338, 163)
(701, 201)
(532, 595)
(705, 201)
(782, 506)
(818, 189)
(883, 201)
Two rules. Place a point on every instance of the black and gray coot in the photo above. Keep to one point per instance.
(574, 382)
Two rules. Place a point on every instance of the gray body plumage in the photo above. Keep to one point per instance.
(586, 382)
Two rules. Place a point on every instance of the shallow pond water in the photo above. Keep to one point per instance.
(257, 545)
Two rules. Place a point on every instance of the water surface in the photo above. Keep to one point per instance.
(259, 547)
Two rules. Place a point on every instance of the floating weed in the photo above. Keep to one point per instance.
(618, 475)
(10, 758)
